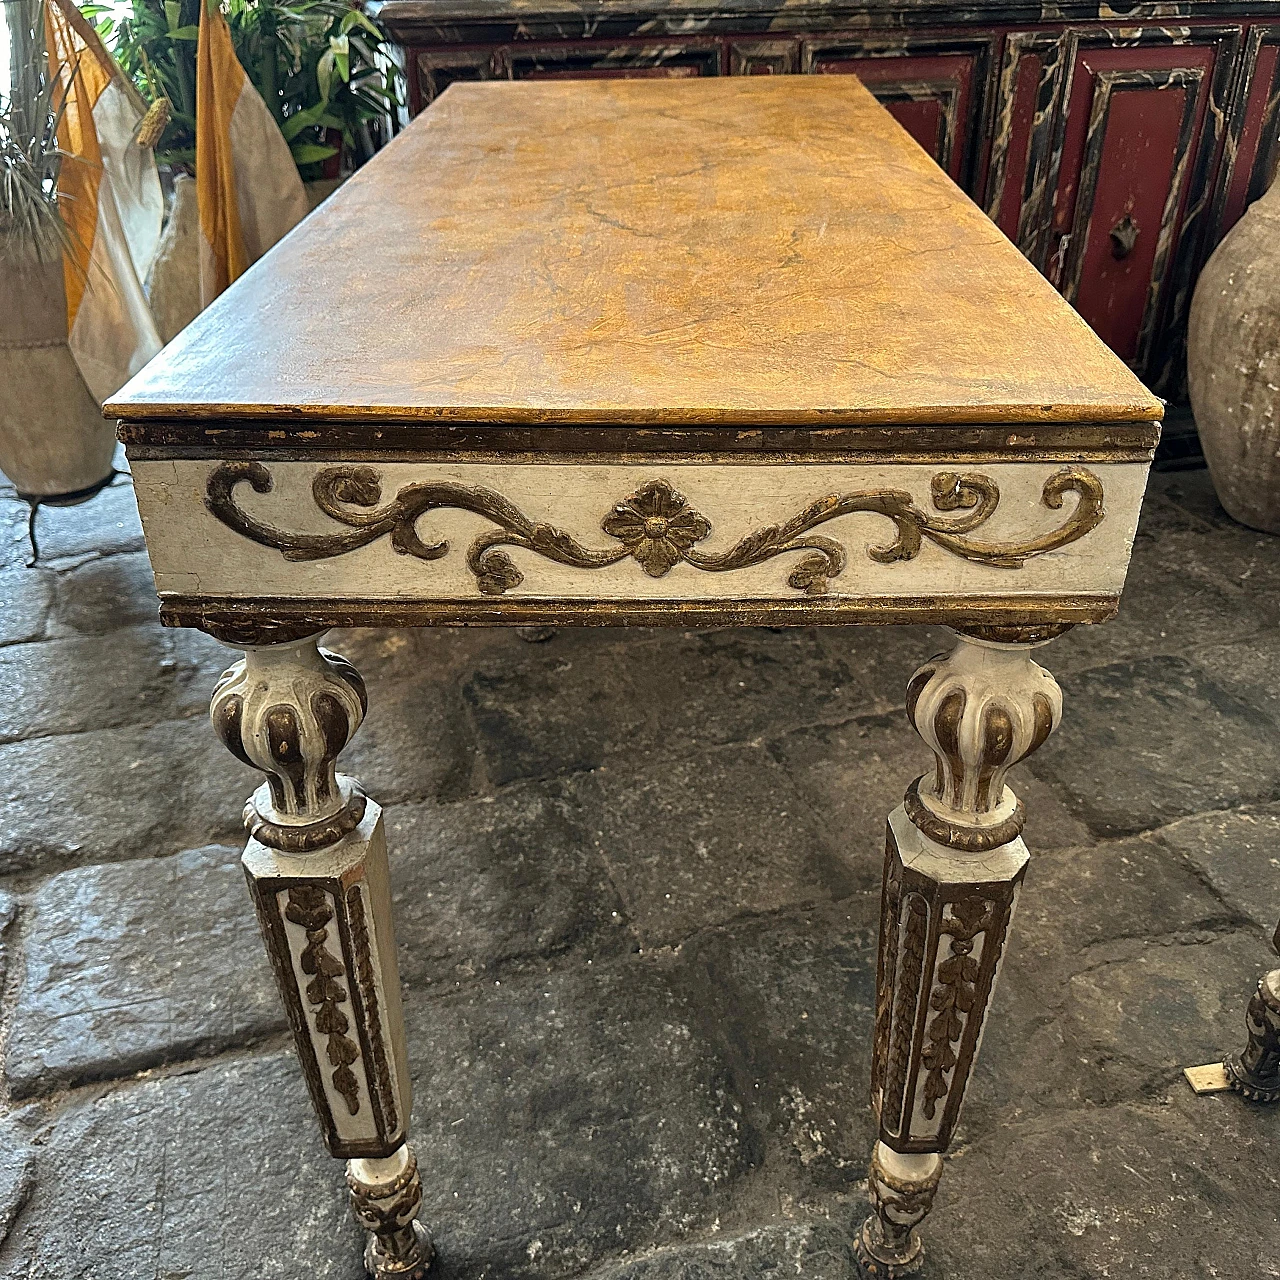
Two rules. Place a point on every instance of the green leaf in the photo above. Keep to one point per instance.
(300, 120)
(324, 74)
(185, 33)
(172, 14)
(356, 18)
(310, 152)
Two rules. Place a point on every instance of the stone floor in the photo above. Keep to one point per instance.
(637, 881)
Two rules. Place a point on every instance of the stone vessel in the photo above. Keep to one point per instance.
(1233, 365)
(53, 437)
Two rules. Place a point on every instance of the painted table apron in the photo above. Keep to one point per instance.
(725, 352)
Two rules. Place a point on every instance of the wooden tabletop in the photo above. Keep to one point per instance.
(742, 251)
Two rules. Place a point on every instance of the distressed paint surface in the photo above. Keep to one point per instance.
(729, 250)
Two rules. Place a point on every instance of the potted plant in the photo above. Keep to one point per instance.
(54, 443)
(322, 67)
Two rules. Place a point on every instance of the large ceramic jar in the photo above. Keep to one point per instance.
(1233, 365)
(53, 437)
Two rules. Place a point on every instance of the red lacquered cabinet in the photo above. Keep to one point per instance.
(1114, 145)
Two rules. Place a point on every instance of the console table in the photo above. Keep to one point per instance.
(726, 352)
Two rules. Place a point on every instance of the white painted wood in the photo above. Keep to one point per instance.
(192, 553)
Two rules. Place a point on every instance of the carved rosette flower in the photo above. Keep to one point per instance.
(657, 526)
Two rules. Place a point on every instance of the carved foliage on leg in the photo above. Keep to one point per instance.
(310, 907)
(955, 996)
(327, 960)
(938, 969)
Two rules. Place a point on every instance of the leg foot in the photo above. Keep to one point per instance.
(1255, 1072)
(385, 1195)
(901, 1189)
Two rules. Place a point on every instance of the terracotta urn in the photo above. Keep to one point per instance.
(1233, 365)
(53, 437)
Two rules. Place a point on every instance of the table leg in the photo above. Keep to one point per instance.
(1255, 1071)
(316, 862)
(954, 863)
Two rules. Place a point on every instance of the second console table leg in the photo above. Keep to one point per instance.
(1255, 1071)
(954, 863)
(316, 863)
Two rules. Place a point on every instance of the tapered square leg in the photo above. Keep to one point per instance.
(316, 863)
(954, 863)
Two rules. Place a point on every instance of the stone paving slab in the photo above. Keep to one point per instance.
(818, 1251)
(551, 715)
(111, 794)
(561, 1118)
(64, 532)
(792, 999)
(1249, 670)
(678, 692)
(26, 596)
(1170, 603)
(103, 594)
(17, 1175)
(1238, 853)
(853, 775)
(694, 841)
(415, 742)
(482, 884)
(1185, 1190)
(1122, 968)
(1154, 740)
(75, 683)
(8, 914)
(216, 1174)
(136, 964)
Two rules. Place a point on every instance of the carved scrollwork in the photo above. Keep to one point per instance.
(655, 525)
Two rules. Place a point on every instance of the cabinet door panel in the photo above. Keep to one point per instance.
(1031, 76)
(937, 89)
(436, 69)
(764, 57)
(1253, 149)
(1140, 123)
